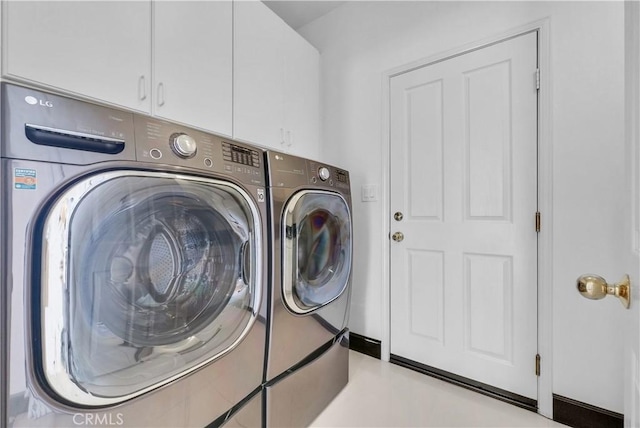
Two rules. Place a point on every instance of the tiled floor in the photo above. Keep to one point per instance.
(381, 394)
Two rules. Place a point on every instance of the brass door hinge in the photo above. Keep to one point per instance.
(538, 221)
(537, 364)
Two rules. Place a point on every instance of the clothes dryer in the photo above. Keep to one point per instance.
(133, 268)
(311, 237)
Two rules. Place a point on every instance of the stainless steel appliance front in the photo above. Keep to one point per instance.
(133, 270)
(312, 246)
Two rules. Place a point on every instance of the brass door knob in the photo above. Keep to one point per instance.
(398, 216)
(398, 236)
(595, 287)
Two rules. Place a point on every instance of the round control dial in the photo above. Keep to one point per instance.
(183, 145)
(323, 173)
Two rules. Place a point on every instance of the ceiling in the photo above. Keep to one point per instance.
(297, 13)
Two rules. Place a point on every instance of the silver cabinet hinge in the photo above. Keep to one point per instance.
(537, 364)
(537, 78)
(538, 221)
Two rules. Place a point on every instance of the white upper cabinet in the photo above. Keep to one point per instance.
(232, 68)
(276, 82)
(192, 63)
(88, 48)
(301, 96)
(258, 80)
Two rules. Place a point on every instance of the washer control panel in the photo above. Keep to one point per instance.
(163, 142)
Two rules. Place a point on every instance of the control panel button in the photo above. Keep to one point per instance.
(323, 173)
(155, 153)
(183, 145)
(208, 162)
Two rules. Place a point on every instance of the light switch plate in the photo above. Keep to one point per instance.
(369, 192)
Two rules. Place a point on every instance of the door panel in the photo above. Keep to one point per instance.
(426, 195)
(464, 174)
(426, 296)
(488, 143)
(488, 285)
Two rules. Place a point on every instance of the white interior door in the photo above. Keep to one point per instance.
(464, 177)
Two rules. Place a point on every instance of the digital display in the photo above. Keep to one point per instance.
(241, 155)
(341, 176)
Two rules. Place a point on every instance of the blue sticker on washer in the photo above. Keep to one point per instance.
(25, 179)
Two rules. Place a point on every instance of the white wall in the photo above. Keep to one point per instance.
(361, 40)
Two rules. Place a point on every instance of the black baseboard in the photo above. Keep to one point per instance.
(581, 415)
(482, 388)
(364, 345)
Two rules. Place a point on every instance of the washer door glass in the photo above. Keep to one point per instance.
(316, 250)
(159, 277)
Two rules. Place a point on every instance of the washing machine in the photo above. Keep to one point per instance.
(312, 240)
(133, 268)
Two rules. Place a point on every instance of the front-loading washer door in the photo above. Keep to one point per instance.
(316, 248)
(145, 277)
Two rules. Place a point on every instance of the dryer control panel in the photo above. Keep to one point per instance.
(328, 176)
(292, 171)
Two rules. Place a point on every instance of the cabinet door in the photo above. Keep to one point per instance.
(192, 57)
(97, 49)
(301, 96)
(258, 75)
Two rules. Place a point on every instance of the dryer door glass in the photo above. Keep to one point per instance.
(160, 274)
(316, 250)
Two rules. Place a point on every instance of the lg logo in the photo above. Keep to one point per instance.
(33, 101)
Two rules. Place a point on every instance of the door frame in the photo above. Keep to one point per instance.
(632, 142)
(545, 200)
